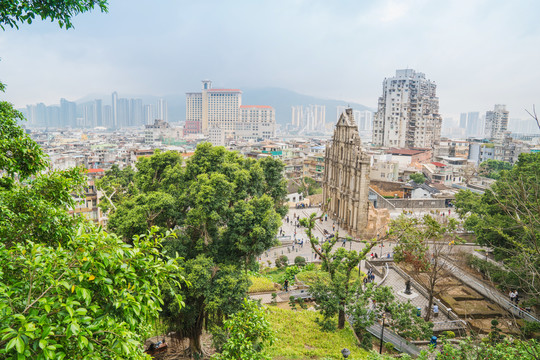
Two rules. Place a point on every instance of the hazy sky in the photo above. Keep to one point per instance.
(479, 52)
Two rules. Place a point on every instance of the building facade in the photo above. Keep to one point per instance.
(223, 109)
(346, 177)
(496, 122)
(408, 112)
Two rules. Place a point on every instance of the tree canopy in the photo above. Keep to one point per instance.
(418, 178)
(507, 218)
(13, 12)
(225, 209)
(68, 289)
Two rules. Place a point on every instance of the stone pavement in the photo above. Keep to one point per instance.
(298, 233)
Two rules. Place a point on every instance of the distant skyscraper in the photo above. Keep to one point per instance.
(463, 120)
(148, 114)
(309, 118)
(136, 112)
(473, 124)
(68, 113)
(408, 112)
(98, 113)
(496, 122)
(122, 113)
(114, 110)
(107, 117)
(162, 110)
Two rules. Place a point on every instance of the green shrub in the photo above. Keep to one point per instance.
(282, 261)
(300, 261)
(389, 346)
(449, 334)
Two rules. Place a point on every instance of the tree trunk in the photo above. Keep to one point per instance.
(195, 333)
(341, 319)
(430, 305)
(195, 346)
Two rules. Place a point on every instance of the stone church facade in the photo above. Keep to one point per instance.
(346, 177)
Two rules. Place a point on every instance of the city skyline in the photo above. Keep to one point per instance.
(479, 53)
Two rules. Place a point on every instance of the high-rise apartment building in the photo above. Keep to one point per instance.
(309, 118)
(408, 112)
(222, 109)
(496, 122)
(162, 110)
(114, 108)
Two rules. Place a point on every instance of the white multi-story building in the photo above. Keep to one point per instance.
(255, 122)
(496, 122)
(408, 112)
(222, 108)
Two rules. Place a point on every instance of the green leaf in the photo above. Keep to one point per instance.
(19, 345)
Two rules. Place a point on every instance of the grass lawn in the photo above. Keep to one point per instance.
(299, 337)
(310, 277)
(274, 274)
(260, 284)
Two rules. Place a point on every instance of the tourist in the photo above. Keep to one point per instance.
(326, 217)
(333, 227)
(435, 311)
(286, 285)
(512, 296)
(516, 297)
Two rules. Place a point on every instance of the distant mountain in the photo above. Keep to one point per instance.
(280, 99)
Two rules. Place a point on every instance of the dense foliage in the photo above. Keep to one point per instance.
(248, 334)
(493, 168)
(225, 209)
(418, 178)
(507, 218)
(335, 295)
(68, 289)
(13, 12)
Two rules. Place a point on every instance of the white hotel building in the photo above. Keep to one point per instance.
(223, 109)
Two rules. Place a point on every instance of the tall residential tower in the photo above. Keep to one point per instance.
(496, 122)
(408, 112)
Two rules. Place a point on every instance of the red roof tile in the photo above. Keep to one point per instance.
(94, 170)
(438, 164)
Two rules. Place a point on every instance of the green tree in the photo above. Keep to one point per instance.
(507, 218)
(25, 11)
(423, 244)
(334, 296)
(493, 168)
(93, 297)
(67, 289)
(225, 210)
(372, 302)
(418, 178)
(309, 187)
(249, 332)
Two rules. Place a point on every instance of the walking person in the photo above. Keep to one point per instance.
(516, 297)
(286, 285)
(435, 311)
(512, 296)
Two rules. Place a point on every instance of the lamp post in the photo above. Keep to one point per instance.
(345, 352)
(382, 333)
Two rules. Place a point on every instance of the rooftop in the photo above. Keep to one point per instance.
(256, 106)
(408, 152)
